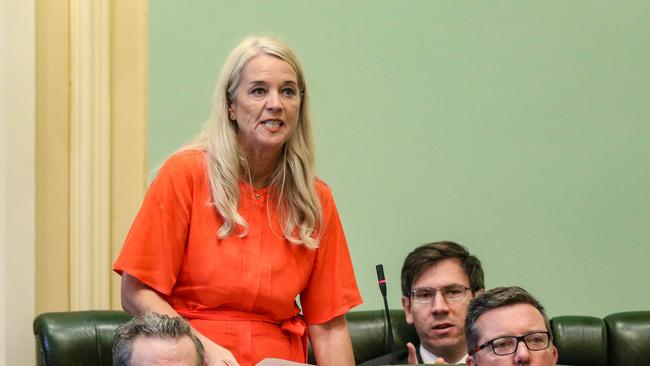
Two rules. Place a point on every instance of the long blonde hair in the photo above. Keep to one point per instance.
(293, 180)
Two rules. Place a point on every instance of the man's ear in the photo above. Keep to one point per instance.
(478, 292)
(406, 304)
(469, 361)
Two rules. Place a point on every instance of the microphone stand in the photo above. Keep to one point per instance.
(381, 280)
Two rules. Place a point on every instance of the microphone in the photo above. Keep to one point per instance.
(381, 280)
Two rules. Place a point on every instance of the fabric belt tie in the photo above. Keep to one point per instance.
(295, 326)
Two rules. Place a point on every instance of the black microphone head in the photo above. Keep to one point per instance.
(381, 279)
(380, 272)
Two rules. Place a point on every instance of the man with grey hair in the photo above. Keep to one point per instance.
(152, 339)
(508, 326)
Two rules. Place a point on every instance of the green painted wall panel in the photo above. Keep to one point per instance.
(520, 129)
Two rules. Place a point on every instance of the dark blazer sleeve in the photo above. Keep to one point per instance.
(402, 358)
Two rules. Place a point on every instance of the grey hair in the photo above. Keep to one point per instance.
(152, 325)
(492, 299)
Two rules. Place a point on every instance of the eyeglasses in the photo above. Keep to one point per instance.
(426, 295)
(504, 346)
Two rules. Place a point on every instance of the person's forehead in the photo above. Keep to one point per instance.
(511, 320)
(264, 66)
(163, 351)
(444, 272)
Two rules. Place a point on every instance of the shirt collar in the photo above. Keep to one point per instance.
(428, 357)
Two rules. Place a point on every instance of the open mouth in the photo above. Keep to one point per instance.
(442, 326)
(273, 123)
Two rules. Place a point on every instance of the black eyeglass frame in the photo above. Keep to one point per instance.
(519, 339)
(441, 291)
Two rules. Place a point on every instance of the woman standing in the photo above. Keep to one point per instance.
(237, 225)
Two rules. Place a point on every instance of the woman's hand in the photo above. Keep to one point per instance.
(215, 355)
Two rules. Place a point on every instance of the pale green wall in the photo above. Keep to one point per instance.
(520, 129)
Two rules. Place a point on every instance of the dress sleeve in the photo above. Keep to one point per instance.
(154, 247)
(332, 288)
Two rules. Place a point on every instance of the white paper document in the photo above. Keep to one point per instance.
(279, 362)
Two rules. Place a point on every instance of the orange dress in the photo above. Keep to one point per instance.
(239, 292)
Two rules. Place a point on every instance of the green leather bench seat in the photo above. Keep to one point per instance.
(76, 338)
(628, 338)
(85, 338)
(368, 330)
(581, 339)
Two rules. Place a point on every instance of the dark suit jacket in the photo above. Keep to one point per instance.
(401, 358)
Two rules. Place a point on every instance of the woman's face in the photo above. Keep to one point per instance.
(266, 105)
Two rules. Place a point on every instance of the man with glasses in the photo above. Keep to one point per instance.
(508, 326)
(438, 281)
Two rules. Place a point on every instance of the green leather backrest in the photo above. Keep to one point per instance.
(580, 340)
(76, 338)
(629, 338)
(368, 330)
(85, 338)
